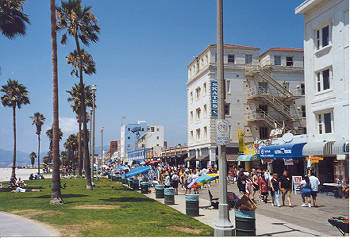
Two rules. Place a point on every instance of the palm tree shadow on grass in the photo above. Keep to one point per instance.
(63, 196)
(127, 199)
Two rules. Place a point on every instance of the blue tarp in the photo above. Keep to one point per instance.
(137, 171)
(120, 167)
(288, 151)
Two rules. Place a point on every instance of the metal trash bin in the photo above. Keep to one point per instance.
(144, 187)
(135, 184)
(169, 196)
(159, 191)
(192, 204)
(245, 223)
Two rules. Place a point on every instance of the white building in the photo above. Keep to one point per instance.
(245, 108)
(154, 137)
(326, 44)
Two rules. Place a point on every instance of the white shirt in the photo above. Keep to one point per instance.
(314, 183)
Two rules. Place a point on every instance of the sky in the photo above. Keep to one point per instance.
(141, 58)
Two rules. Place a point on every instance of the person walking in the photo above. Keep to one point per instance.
(263, 188)
(275, 190)
(306, 191)
(175, 182)
(314, 187)
(255, 183)
(285, 185)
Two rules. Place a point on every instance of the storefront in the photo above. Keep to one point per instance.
(249, 161)
(285, 156)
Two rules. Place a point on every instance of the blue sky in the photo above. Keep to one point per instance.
(141, 60)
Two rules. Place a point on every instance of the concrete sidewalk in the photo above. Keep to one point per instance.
(265, 226)
(12, 225)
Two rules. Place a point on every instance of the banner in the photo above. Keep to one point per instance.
(214, 98)
(249, 149)
(240, 134)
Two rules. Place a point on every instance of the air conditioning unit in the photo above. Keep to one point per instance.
(299, 108)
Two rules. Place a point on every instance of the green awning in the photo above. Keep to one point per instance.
(245, 158)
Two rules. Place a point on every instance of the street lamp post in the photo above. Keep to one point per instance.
(223, 227)
(93, 88)
(102, 144)
(92, 155)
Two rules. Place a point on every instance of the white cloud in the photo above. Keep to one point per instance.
(68, 125)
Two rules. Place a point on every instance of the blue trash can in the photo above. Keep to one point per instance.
(159, 191)
(169, 196)
(245, 223)
(192, 204)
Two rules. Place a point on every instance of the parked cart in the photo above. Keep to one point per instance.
(341, 223)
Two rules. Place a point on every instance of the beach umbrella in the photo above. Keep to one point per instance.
(137, 171)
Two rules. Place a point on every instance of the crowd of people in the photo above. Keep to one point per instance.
(279, 188)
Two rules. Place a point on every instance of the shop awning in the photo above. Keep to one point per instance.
(282, 151)
(192, 157)
(341, 148)
(321, 148)
(231, 157)
(203, 157)
(246, 158)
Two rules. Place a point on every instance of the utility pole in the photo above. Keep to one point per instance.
(223, 227)
(93, 121)
(102, 144)
(92, 155)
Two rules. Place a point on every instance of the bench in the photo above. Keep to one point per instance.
(214, 202)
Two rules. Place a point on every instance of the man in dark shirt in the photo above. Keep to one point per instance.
(285, 184)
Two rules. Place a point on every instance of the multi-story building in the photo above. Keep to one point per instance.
(326, 44)
(253, 86)
(114, 146)
(129, 134)
(153, 137)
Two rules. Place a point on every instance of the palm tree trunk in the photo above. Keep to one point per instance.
(13, 174)
(39, 153)
(83, 114)
(56, 197)
(80, 151)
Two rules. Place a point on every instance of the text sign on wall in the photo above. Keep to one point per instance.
(214, 98)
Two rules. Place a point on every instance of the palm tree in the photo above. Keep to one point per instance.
(15, 95)
(75, 96)
(49, 134)
(56, 196)
(71, 146)
(80, 23)
(32, 157)
(38, 121)
(12, 18)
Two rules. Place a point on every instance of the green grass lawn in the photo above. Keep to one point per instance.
(109, 210)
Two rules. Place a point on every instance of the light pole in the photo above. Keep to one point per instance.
(93, 88)
(102, 144)
(223, 227)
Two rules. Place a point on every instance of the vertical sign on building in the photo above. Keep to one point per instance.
(214, 98)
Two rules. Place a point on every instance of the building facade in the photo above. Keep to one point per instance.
(246, 106)
(129, 134)
(154, 137)
(114, 146)
(326, 44)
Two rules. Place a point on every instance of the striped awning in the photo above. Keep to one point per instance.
(341, 148)
(322, 148)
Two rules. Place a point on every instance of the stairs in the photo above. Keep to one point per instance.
(262, 115)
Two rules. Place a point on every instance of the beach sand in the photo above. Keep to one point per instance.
(5, 174)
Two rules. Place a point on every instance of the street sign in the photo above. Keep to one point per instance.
(222, 132)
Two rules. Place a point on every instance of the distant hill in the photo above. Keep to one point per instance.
(6, 157)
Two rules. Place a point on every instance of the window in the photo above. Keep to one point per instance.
(248, 59)
(323, 80)
(322, 37)
(324, 122)
(289, 60)
(228, 86)
(262, 87)
(205, 132)
(128, 137)
(157, 144)
(128, 129)
(285, 85)
(157, 128)
(198, 92)
(302, 87)
(198, 113)
(303, 111)
(263, 132)
(152, 129)
(262, 108)
(157, 137)
(231, 59)
(227, 109)
(204, 89)
(191, 135)
(198, 134)
(191, 113)
(128, 146)
(205, 110)
(143, 129)
(277, 60)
